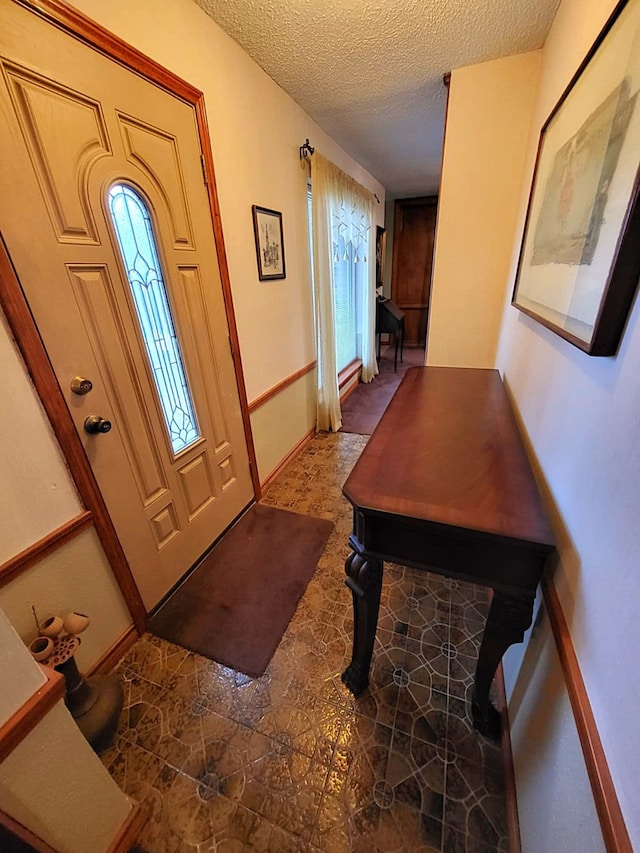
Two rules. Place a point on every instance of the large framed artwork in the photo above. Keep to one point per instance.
(580, 257)
(267, 227)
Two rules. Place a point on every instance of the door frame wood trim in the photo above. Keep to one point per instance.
(131, 829)
(234, 340)
(77, 24)
(23, 327)
(25, 332)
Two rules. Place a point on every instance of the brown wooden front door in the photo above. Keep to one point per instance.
(413, 242)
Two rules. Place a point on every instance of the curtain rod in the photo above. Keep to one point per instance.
(307, 150)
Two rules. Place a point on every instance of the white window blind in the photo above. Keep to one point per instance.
(344, 299)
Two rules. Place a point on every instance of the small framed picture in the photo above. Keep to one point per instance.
(267, 226)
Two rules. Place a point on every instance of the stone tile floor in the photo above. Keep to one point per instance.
(291, 761)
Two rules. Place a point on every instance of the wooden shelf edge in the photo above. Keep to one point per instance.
(27, 717)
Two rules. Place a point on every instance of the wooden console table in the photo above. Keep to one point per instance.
(444, 484)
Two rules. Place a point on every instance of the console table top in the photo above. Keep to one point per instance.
(448, 451)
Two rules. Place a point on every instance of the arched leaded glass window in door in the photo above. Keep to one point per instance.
(136, 239)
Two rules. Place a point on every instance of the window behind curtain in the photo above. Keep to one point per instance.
(345, 272)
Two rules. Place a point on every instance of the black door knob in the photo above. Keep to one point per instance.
(94, 425)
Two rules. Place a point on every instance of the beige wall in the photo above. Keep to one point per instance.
(488, 122)
(55, 785)
(581, 417)
(291, 415)
(52, 782)
(77, 577)
(33, 470)
(38, 496)
(17, 670)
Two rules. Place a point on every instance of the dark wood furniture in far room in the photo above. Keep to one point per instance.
(444, 484)
(413, 244)
(390, 321)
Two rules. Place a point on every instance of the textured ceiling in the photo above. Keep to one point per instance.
(370, 71)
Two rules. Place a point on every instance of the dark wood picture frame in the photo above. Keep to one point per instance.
(579, 261)
(267, 229)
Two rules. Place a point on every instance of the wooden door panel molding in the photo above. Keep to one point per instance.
(56, 160)
(37, 362)
(197, 483)
(228, 472)
(156, 153)
(96, 299)
(165, 525)
(193, 303)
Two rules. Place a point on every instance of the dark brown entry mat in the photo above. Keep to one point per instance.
(236, 605)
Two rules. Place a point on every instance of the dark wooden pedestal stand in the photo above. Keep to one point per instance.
(95, 703)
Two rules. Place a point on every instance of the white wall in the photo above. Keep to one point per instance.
(33, 470)
(256, 130)
(581, 417)
(556, 810)
(488, 121)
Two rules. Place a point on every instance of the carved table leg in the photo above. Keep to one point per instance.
(364, 579)
(509, 617)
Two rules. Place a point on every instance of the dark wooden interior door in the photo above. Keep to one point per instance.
(413, 241)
